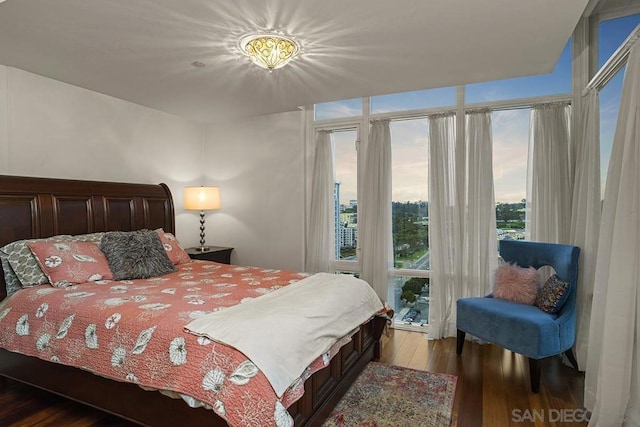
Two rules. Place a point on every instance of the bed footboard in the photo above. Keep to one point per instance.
(327, 386)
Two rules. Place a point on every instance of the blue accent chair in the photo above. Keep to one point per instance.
(521, 328)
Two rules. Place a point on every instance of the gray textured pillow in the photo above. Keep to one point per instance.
(10, 279)
(136, 254)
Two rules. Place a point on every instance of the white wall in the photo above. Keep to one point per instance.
(53, 129)
(258, 163)
(4, 144)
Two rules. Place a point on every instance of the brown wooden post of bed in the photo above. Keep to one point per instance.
(379, 324)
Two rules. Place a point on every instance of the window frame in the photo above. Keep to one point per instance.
(345, 125)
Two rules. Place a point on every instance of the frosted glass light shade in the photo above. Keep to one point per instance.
(201, 198)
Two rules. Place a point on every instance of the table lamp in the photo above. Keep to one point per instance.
(201, 199)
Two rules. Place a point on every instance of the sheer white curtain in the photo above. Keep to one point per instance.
(585, 215)
(444, 225)
(549, 190)
(480, 237)
(612, 385)
(375, 242)
(321, 224)
(462, 216)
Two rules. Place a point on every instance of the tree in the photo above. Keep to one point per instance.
(410, 229)
(510, 215)
(412, 288)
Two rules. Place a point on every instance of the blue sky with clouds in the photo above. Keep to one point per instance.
(611, 34)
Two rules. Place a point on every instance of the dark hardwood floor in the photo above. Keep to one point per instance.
(493, 384)
(21, 405)
(492, 388)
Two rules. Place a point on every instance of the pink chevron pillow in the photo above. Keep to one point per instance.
(517, 284)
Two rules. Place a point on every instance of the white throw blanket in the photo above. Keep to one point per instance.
(284, 331)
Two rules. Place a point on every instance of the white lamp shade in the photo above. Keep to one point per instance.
(201, 198)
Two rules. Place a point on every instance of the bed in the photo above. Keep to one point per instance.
(40, 207)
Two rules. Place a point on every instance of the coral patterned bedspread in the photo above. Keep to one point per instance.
(133, 331)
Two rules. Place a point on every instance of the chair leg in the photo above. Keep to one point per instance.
(572, 359)
(460, 343)
(534, 374)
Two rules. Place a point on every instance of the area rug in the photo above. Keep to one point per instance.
(391, 396)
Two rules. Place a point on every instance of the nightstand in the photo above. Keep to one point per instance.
(214, 253)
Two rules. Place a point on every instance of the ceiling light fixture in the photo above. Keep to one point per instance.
(269, 50)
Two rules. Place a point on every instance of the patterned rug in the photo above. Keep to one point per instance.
(385, 395)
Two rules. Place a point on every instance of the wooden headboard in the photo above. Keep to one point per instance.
(44, 207)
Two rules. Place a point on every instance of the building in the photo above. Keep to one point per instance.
(348, 235)
(337, 224)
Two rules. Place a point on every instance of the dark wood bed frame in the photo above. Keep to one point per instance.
(43, 207)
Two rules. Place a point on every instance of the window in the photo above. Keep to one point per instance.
(408, 286)
(339, 109)
(412, 301)
(558, 82)
(510, 152)
(421, 99)
(409, 194)
(409, 282)
(609, 106)
(612, 33)
(346, 194)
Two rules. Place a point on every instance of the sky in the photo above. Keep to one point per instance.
(611, 35)
(510, 128)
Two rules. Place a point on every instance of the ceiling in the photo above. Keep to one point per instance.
(142, 50)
